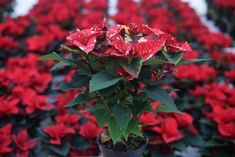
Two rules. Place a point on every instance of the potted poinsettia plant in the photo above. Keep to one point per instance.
(119, 68)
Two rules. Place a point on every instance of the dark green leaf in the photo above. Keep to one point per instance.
(133, 127)
(101, 113)
(181, 146)
(102, 117)
(79, 142)
(81, 99)
(55, 56)
(195, 141)
(122, 115)
(134, 67)
(102, 80)
(142, 106)
(154, 61)
(77, 81)
(164, 108)
(61, 150)
(186, 61)
(114, 131)
(70, 49)
(158, 94)
(59, 65)
(173, 58)
(52, 56)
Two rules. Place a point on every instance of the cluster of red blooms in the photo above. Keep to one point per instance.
(22, 142)
(191, 23)
(226, 4)
(166, 126)
(221, 99)
(24, 80)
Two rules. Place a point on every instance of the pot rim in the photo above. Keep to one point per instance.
(103, 147)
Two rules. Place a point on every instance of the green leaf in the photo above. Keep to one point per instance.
(158, 94)
(122, 115)
(102, 80)
(195, 141)
(55, 56)
(81, 99)
(101, 113)
(79, 142)
(78, 81)
(59, 65)
(52, 56)
(164, 108)
(186, 61)
(181, 146)
(134, 67)
(173, 58)
(114, 131)
(133, 127)
(142, 106)
(154, 61)
(61, 150)
(70, 49)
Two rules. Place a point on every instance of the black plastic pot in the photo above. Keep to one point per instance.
(111, 153)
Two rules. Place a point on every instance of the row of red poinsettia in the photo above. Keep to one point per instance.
(24, 80)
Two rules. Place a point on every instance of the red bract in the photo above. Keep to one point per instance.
(191, 54)
(14, 26)
(24, 144)
(7, 43)
(230, 74)
(146, 49)
(173, 45)
(41, 104)
(39, 43)
(221, 115)
(85, 39)
(90, 130)
(206, 73)
(9, 106)
(169, 130)
(58, 131)
(149, 119)
(5, 139)
(227, 130)
(70, 120)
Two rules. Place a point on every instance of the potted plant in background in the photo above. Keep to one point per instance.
(120, 69)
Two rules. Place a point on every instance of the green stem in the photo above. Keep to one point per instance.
(89, 64)
(102, 98)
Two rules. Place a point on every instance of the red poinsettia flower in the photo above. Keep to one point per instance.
(85, 39)
(71, 120)
(169, 130)
(5, 139)
(24, 144)
(133, 45)
(173, 45)
(227, 130)
(149, 119)
(6, 130)
(184, 119)
(9, 106)
(90, 130)
(58, 131)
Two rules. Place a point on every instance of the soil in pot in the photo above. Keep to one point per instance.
(133, 143)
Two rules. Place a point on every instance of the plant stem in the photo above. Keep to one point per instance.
(102, 98)
(89, 64)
